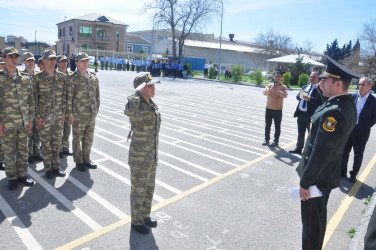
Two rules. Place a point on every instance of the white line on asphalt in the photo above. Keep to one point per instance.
(27, 238)
(101, 160)
(64, 201)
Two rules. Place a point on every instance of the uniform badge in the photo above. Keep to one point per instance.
(329, 124)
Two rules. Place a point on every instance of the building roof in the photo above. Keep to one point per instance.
(211, 45)
(95, 17)
(136, 39)
(291, 59)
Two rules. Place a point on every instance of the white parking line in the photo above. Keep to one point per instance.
(27, 238)
(64, 201)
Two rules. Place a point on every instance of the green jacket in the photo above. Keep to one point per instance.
(332, 124)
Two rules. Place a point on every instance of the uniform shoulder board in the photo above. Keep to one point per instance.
(92, 73)
(60, 73)
(37, 72)
(71, 73)
(24, 73)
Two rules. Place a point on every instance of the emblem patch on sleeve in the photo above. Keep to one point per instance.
(329, 124)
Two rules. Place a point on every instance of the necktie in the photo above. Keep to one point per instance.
(305, 102)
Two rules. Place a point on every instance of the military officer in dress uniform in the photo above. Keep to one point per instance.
(83, 107)
(62, 63)
(51, 98)
(143, 152)
(320, 165)
(17, 110)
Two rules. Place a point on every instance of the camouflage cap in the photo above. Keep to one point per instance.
(10, 51)
(60, 58)
(28, 56)
(81, 56)
(39, 61)
(144, 78)
(49, 53)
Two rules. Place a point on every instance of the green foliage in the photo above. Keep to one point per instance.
(141, 51)
(351, 232)
(303, 79)
(236, 73)
(334, 51)
(258, 77)
(167, 53)
(189, 71)
(367, 200)
(297, 69)
(286, 78)
(211, 73)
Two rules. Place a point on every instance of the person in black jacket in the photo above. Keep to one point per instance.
(305, 108)
(320, 164)
(366, 109)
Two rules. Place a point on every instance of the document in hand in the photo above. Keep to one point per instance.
(313, 190)
(303, 93)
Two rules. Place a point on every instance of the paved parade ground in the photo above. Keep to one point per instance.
(217, 187)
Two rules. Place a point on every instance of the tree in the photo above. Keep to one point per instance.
(333, 51)
(274, 44)
(368, 38)
(183, 17)
(297, 69)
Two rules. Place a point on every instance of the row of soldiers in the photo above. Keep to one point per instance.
(40, 107)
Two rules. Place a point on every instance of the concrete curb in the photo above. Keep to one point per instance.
(357, 241)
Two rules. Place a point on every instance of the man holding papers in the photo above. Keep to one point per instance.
(320, 165)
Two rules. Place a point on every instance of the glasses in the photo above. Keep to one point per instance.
(14, 56)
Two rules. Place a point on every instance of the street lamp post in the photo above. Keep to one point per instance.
(220, 45)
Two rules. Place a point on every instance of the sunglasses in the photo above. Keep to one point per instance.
(14, 56)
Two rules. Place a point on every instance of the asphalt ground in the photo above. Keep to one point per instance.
(217, 187)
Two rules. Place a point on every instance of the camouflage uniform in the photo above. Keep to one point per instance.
(17, 110)
(143, 154)
(51, 107)
(33, 142)
(66, 129)
(83, 105)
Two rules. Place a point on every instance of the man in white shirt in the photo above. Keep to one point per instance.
(366, 111)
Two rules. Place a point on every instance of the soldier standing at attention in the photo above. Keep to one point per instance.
(2, 66)
(274, 104)
(320, 164)
(33, 138)
(17, 110)
(143, 152)
(50, 112)
(83, 107)
(40, 64)
(62, 63)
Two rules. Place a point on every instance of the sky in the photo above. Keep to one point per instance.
(316, 21)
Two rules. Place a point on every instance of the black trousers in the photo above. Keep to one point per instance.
(359, 145)
(314, 215)
(271, 115)
(303, 121)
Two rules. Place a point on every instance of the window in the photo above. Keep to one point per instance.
(160, 37)
(117, 40)
(64, 47)
(130, 48)
(101, 32)
(145, 49)
(86, 32)
(59, 32)
(101, 47)
(86, 46)
(70, 30)
(64, 31)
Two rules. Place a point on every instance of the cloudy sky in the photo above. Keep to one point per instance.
(317, 21)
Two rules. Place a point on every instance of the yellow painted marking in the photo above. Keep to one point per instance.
(91, 236)
(345, 204)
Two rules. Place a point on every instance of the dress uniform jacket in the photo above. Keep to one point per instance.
(331, 125)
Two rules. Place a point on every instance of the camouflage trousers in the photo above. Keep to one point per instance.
(83, 135)
(33, 142)
(15, 153)
(66, 134)
(142, 190)
(50, 136)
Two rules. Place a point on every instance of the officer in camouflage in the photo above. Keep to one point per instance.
(33, 138)
(62, 63)
(83, 107)
(2, 66)
(17, 110)
(51, 101)
(143, 152)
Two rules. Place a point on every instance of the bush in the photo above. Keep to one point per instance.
(303, 79)
(236, 73)
(297, 69)
(258, 77)
(189, 71)
(286, 78)
(211, 73)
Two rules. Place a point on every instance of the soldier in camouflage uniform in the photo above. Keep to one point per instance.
(17, 110)
(83, 107)
(62, 63)
(40, 64)
(2, 66)
(51, 100)
(143, 152)
(33, 138)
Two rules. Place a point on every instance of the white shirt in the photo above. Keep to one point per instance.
(308, 88)
(360, 104)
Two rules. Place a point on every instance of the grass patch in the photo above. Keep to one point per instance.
(351, 232)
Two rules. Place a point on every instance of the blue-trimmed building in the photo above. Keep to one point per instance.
(135, 43)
